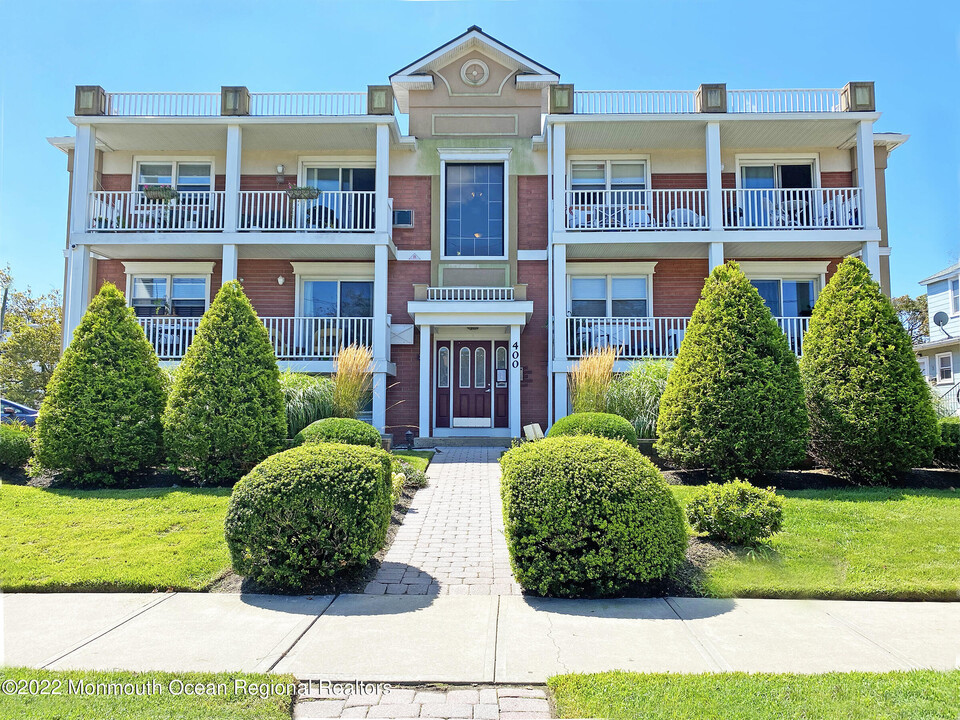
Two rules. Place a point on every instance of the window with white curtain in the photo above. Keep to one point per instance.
(185, 176)
(181, 295)
(609, 296)
(945, 368)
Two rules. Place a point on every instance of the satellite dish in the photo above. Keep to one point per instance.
(940, 319)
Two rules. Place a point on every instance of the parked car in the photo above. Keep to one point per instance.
(11, 411)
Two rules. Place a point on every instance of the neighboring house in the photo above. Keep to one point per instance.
(517, 224)
(939, 355)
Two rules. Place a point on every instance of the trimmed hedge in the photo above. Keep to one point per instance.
(339, 430)
(310, 511)
(226, 411)
(587, 516)
(948, 452)
(14, 446)
(736, 512)
(99, 423)
(871, 414)
(733, 402)
(605, 425)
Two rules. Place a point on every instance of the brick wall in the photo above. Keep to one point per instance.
(403, 390)
(116, 182)
(264, 182)
(259, 280)
(533, 345)
(411, 192)
(678, 181)
(677, 285)
(113, 271)
(532, 212)
(836, 179)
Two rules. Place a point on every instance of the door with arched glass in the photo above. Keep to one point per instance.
(472, 379)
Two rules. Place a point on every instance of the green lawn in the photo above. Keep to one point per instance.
(871, 543)
(418, 458)
(226, 704)
(915, 695)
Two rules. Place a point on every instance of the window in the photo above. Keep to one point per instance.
(945, 368)
(777, 175)
(924, 364)
(474, 210)
(183, 296)
(464, 374)
(787, 298)
(443, 367)
(480, 369)
(190, 176)
(955, 296)
(328, 179)
(608, 175)
(337, 298)
(608, 296)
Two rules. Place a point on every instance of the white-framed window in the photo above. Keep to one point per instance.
(609, 296)
(474, 210)
(336, 298)
(179, 295)
(944, 365)
(186, 174)
(787, 297)
(924, 363)
(329, 178)
(955, 296)
(443, 367)
(608, 174)
(777, 172)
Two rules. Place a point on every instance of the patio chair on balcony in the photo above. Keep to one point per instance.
(839, 211)
(684, 217)
(637, 217)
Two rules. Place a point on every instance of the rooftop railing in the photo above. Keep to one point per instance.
(174, 104)
(639, 102)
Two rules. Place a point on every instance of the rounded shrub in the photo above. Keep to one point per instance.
(736, 512)
(100, 418)
(310, 511)
(586, 516)
(598, 424)
(339, 430)
(226, 411)
(871, 415)
(733, 402)
(14, 446)
(948, 452)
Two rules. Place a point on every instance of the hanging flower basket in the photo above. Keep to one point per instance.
(303, 192)
(160, 192)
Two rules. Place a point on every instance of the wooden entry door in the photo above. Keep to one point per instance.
(472, 383)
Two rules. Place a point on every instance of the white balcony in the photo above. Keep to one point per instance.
(293, 338)
(173, 104)
(793, 209)
(132, 211)
(658, 102)
(336, 211)
(639, 338)
(470, 294)
(593, 210)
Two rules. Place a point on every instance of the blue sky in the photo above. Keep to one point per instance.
(910, 50)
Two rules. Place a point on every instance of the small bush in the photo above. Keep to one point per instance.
(948, 452)
(590, 380)
(226, 412)
(414, 477)
(598, 424)
(352, 381)
(736, 512)
(733, 402)
(100, 418)
(588, 516)
(312, 510)
(14, 446)
(308, 398)
(339, 430)
(870, 410)
(635, 395)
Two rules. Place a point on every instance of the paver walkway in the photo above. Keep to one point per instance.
(451, 541)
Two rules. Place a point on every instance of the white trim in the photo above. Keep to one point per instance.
(490, 155)
(924, 362)
(174, 161)
(168, 268)
(784, 270)
(936, 367)
(608, 289)
(459, 422)
(413, 255)
(953, 296)
(608, 159)
(527, 255)
(611, 268)
(776, 159)
(334, 270)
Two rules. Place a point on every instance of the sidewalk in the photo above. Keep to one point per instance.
(471, 639)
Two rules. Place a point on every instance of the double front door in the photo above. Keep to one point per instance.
(471, 377)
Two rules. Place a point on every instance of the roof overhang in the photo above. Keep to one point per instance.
(950, 343)
(942, 275)
(478, 312)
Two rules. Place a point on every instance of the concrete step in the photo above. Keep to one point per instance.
(462, 442)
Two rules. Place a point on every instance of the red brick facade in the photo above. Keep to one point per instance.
(412, 193)
(534, 346)
(532, 208)
(403, 390)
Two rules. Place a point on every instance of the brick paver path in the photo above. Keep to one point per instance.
(451, 541)
(475, 702)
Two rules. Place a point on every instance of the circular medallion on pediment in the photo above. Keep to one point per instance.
(474, 72)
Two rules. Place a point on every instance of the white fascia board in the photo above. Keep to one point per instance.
(240, 238)
(444, 312)
(413, 82)
(413, 255)
(372, 120)
(783, 268)
(528, 255)
(136, 267)
(707, 117)
(536, 81)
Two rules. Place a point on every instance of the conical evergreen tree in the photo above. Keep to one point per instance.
(870, 410)
(733, 402)
(226, 411)
(100, 418)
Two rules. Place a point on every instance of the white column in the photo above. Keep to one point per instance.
(714, 177)
(560, 400)
(559, 281)
(426, 356)
(231, 196)
(715, 254)
(384, 221)
(559, 173)
(871, 258)
(380, 256)
(84, 159)
(516, 376)
(78, 290)
(380, 401)
(867, 175)
(229, 268)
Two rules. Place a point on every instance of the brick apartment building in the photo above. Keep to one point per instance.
(514, 226)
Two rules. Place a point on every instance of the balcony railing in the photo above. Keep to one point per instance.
(470, 293)
(173, 104)
(293, 338)
(793, 209)
(639, 102)
(131, 211)
(637, 210)
(637, 338)
(335, 211)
